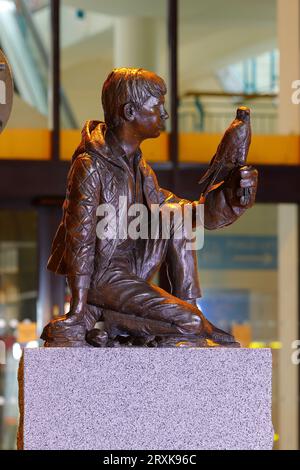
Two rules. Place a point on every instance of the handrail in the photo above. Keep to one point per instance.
(208, 114)
(249, 96)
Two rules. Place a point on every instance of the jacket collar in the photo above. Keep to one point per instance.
(117, 151)
(97, 139)
(94, 141)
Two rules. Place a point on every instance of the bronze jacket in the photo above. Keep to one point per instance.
(97, 176)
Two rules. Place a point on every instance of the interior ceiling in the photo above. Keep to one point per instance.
(212, 33)
(202, 11)
(198, 19)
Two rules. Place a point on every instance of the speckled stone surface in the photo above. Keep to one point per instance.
(146, 398)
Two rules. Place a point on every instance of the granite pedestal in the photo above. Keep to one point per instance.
(145, 398)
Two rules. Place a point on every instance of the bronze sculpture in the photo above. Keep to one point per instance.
(110, 276)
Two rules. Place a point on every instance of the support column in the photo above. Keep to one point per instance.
(288, 23)
(51, 293)
(173, 79)
(288, 325)
(54, 96)
(135, 42)
(288, 32)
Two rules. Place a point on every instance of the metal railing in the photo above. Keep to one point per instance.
(212, 112)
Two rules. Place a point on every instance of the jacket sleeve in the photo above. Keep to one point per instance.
(164, 195)
(80, 219)
(221, 206)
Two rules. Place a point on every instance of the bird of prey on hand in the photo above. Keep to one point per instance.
(231, 153)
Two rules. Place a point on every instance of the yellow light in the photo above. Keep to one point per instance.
(257, 344)
(211, 344)
(276, 437)
(275, 345)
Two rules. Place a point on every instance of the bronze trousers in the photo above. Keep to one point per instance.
(132, 304)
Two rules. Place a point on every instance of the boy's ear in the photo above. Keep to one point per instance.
(129, 112)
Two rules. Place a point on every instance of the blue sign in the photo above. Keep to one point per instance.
(238, 252)
(224, 307)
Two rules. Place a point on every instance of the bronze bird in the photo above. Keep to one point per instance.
(232, 151)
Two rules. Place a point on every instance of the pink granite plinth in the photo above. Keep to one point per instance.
(146, 398)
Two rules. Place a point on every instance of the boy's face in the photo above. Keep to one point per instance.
(150, 119)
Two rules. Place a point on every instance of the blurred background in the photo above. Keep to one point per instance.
(214, 56)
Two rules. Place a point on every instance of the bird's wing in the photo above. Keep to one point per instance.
(209, 171)
(212, 178)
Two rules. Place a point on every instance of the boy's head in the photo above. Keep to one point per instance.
(125, 86)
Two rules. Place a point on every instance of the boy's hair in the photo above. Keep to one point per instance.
(128, 85)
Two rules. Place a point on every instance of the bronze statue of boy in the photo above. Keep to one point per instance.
(110, 277)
